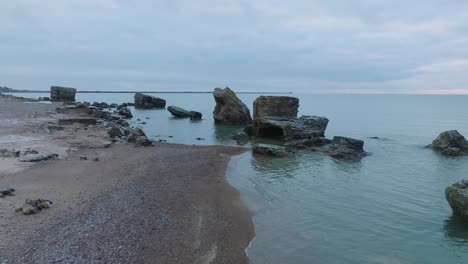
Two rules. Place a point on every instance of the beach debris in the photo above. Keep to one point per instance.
(139, 137)
(62, 93)
(194, 115)
(178, 112)
(457, 197)
(9, 153)
(148, 101)
(81, 121)
(7, 192)
(277, 106)
(229, 108)
(34, 206)
(270, 150)
(450, 143)
(37, 157)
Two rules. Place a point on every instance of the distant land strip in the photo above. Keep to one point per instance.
(148, 92)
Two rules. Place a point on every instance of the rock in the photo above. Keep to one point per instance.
(270, 150)
(125, 112)
(83, 158)
(55, 127)
(199, 138)
(34, 206)
(241, 138)
(9, 153)
(194, 115)
(28, 152)
(62, 93)
(37, 157)
(138, 137)
(7, 192)
(229, 108)
(451, 143)
(115, 132)
(457, 197)
(81, 121)
(178, 112)
(148, 102)
(96, 159)
(249, 130)
(277, 106)
(344, 148)
(44, 99)
(308, 143)
(288, 129)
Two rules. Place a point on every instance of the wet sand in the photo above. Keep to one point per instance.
(163, 204)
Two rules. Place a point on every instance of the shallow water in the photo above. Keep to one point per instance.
(309, 208)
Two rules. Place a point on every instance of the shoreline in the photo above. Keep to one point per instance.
(175, 198)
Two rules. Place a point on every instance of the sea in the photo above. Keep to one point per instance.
(388, 208)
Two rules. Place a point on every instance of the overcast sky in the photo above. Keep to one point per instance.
(359, 46)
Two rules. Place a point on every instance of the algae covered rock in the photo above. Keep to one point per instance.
(278, 106)
(229, 108)
(450, 143)
(148, 101)
(457, 197)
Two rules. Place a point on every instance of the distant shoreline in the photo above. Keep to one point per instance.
(149, 92)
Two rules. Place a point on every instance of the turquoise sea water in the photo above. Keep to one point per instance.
(309, 208)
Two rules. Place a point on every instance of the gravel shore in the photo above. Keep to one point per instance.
(163, 204)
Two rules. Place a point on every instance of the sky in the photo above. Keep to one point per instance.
(303, 46)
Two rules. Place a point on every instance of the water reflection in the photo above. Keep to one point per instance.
(223, 133)
(456, 230)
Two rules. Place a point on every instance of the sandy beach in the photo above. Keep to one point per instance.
(162, 204)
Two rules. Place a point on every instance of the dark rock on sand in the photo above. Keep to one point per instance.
(55, 127)
(270, 150)
(277, 106)
(37, 157)
(115, 132)
(148, 101)
(139, 137)
(34, 206)
(6, 192)
(288, 129)
(450, 143)
(62, 93)
(81, 121)
(178, 112)
(229, 108)
(194, 115)
(344, 148)
(457, 197)
(9, 153)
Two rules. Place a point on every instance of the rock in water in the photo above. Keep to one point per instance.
(195, 115)
(139, 137)
(451, 143)
(178, 112)
(345, 148)
(148, 101)
(229, 108)
(270, 150)
(288, 129)
(278, 106)
(125, 112)
(457, 197)
(62, 93)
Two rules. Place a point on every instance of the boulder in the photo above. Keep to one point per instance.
(115, 132)
(9, 153)
(62, 93)
(457, 197)
(139, 137)
(37, 157)
(178, 112)
(344, 148)
(148, 101)
(194, 115)
(81, 121)
(308, 143)
(288, 129)
(270, 150)
(229, 108)
(125, 112)
(241, 138)
(450, 143)
(277, 106)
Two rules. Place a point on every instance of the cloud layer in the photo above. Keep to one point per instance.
(366, 46)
